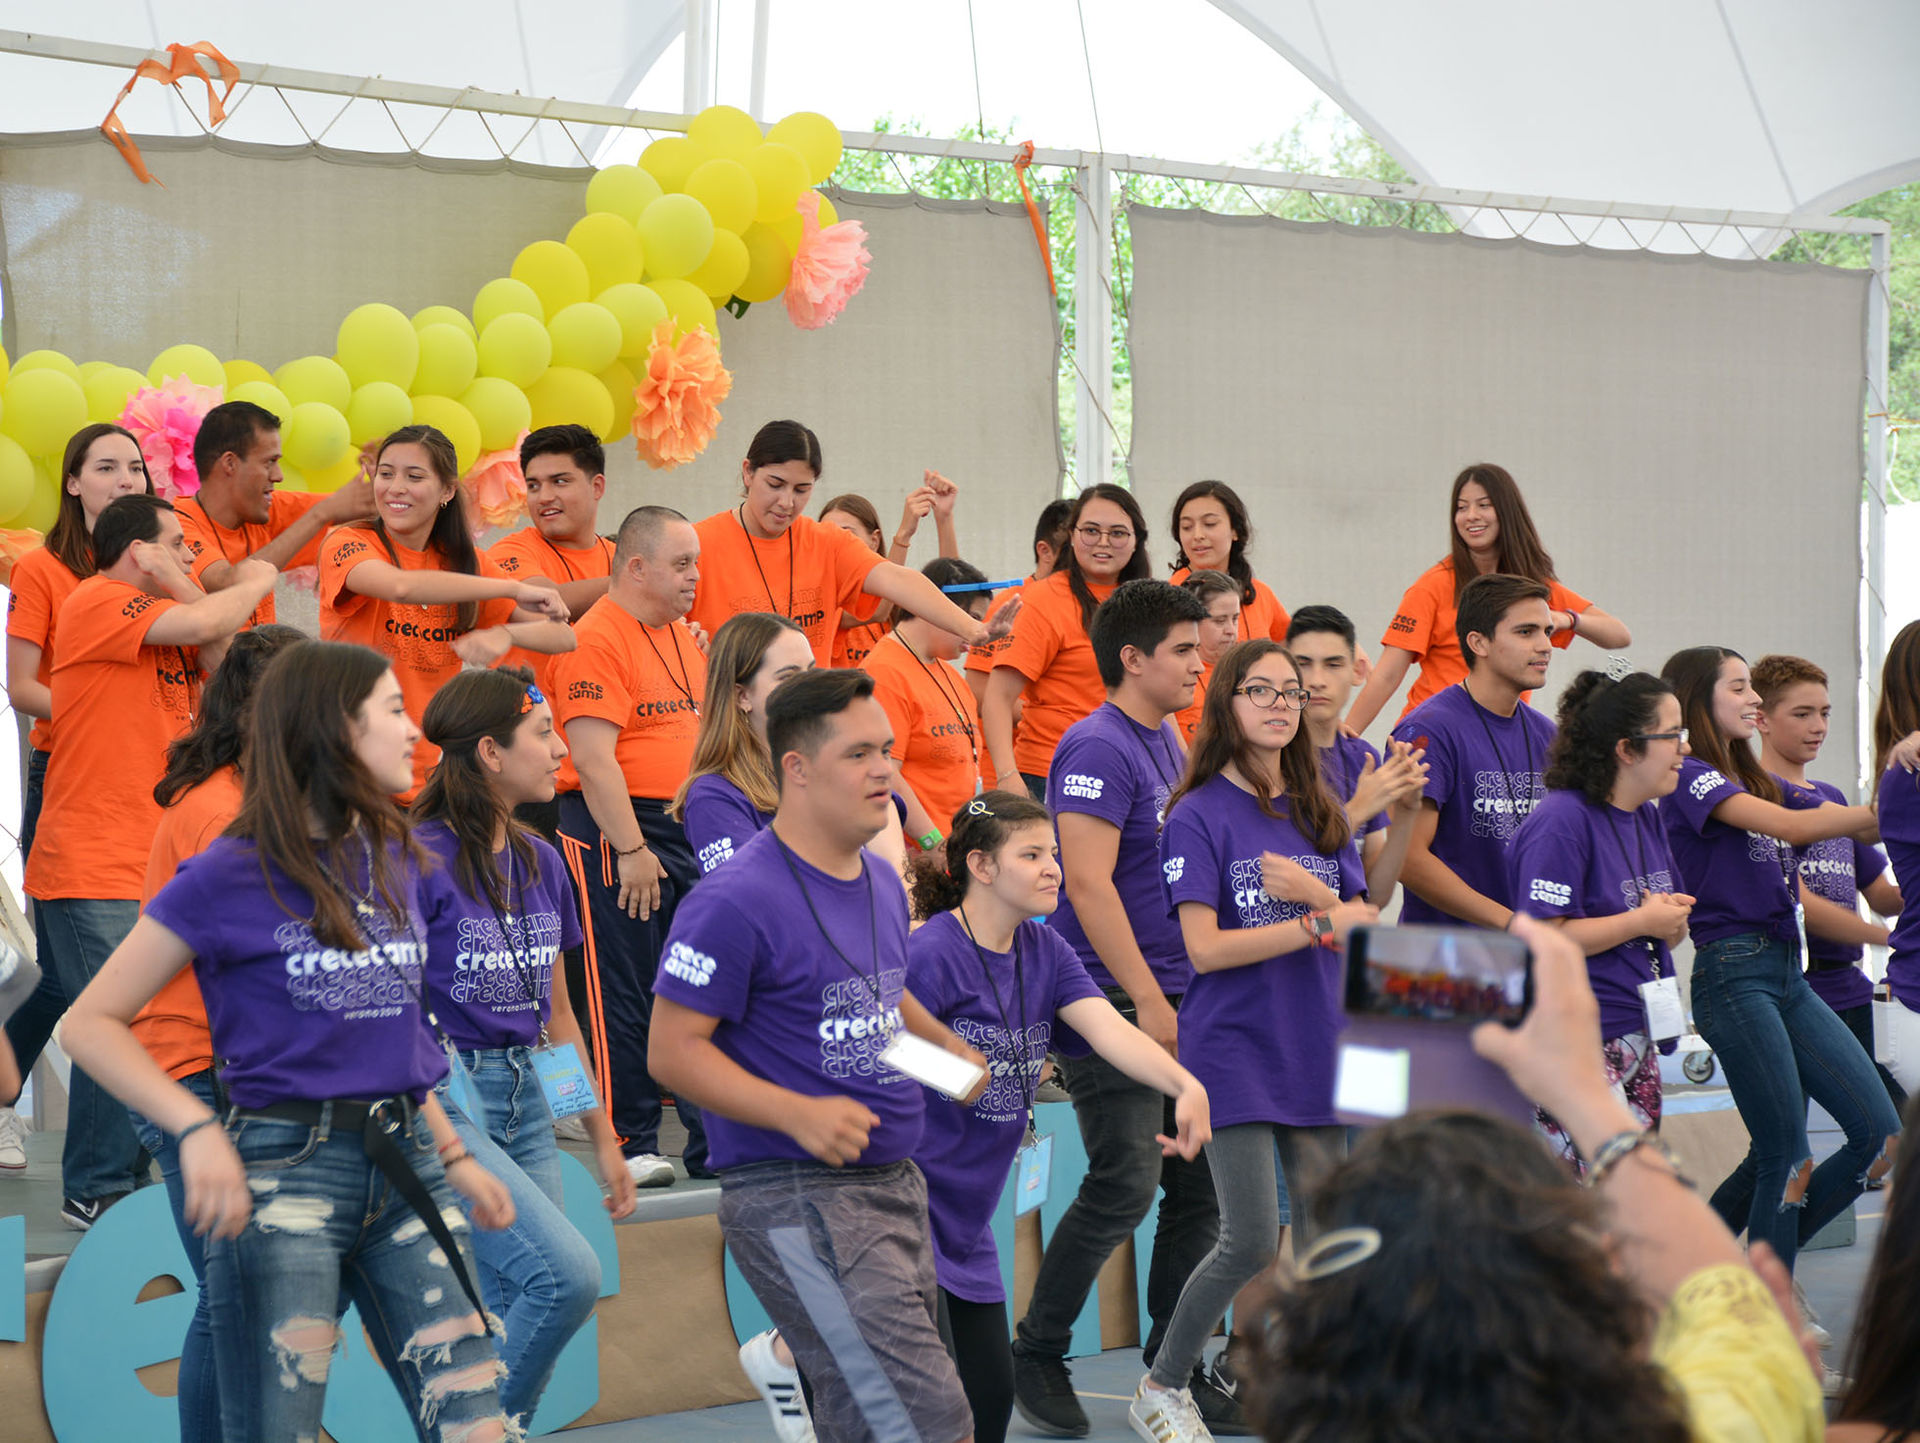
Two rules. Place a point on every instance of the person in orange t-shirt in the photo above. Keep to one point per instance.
(936, 726)
(411, 586)
(1220, 630)
(199, 795)
(1049, 547)
(1211, 531)
(764, 555)
(1492, 531)
(862, 627)
(629, 702)
(134, 638)
(238, 513)
(1048, 665)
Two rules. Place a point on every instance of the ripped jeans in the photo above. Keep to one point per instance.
(1779, 1045)
(327, 1228)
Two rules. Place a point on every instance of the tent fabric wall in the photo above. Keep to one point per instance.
(1687, 431)
(946, 359)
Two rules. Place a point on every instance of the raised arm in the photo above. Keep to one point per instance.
(1598, 627)
(384, 581)
(351, 502)
(1383, 681)
(1798, 827)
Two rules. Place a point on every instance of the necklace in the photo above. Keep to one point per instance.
(1506, 777)
(601, 544)
(872, 985)
(1029, 1061)
(219, 534)
(740, 511)
(948, 695)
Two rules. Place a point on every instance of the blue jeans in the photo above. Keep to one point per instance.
(101, 1158)
(30, 1027)
(199, 1390)
(539, 1275)
(328, 1228)
(1780, 1045)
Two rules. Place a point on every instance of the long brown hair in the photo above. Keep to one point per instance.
(1218, 744)
(68, 538)
(1237, 565)
(727, 745)
(1693, 674)
(451, 536)
(219, 734)
(1886, 1330)
(459, 794)
(1898, 711)
(1517, 550)
(852, 504)
(1138, 567)
(300, 769)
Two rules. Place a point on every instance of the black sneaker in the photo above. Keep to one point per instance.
(1219, 1409)
(1043, 1392)
(81, 1213)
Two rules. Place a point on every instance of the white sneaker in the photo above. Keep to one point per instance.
(649, 1169)
(1166, 1415)
(13, 1141)
(779, 1386)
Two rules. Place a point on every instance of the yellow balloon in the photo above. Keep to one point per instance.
(558, 276)
(315, 436)
(609, 245)
(500, 409)
(376, 410)
(724, 268)
(501, 297)
(266, 395)
(828, 215)
(292, 478)
(41, 409)
(515, 348)
(769, 263)
(676, 233)
(689, 307)
(455, 422)
(619, 383)
(238, 373)
(622, 190)
(332, 478)
(107, 391)
(5, 365)
(314, 378)
(87, 370)
(377, 342)
(670, 160)
(196, 363)
(444, 316)
(726, 189)
(815, 137)
(565, 396)
(638, 309)
(586, 337)
(789, 227)
(44, 509)
(49, 361)
(721, 130)
(18, 480)
(780, 172)
(449, 358)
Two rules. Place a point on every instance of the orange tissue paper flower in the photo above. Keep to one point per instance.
(497, 487)
(13, 546)
(829, 268)
(676, 405)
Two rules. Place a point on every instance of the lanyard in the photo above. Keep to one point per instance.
(219, 537)
(754, 552)
(521, 955)
(1638, 878)
(683, 683)
(600, 543)
(363, 908)
(1506, 777)
(873, 926)
(1031, 1062)
(953, 701)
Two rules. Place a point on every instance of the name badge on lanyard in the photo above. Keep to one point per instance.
(1666, 1018)
(461, 1092)
(1032, 1173)
(563, 1080)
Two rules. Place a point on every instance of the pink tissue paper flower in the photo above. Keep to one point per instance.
(165, 419)
(829, 268)
(497, 488)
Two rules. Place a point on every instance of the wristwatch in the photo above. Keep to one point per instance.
(1319, 927)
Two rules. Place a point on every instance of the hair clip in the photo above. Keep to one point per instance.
(1335, 1252)
(532, 699)
(1618, 668)
(978, 808)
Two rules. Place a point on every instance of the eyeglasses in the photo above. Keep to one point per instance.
(1679, 736)
(1094, 535)
(1268, 697)
(532, 699)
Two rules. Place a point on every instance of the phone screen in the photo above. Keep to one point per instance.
(1437, 974)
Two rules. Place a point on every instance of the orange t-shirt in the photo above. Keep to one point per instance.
(1188, 720)
(1049, 647)
(1264, 616)
(418, 639)
(1427, 623)
(936, 727)
(210, 541)
(121, 703)
(646, 680)
(527, 553)
(809, 575)
(173, 1026)
(41, 583)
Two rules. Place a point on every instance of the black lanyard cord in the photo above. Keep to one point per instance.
(873, 925)
(1526, 741)
(947, 694)
(1029, 1061)
(684, 682)
(1638, 878)
(754, 552)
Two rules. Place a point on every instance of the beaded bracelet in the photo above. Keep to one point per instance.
(1615, 1150)
(191, 1128)
(631, 851)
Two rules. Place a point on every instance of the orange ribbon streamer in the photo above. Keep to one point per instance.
(184, 65)
(1020, 164)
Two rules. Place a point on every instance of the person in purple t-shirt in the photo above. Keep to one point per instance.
(1777, 1042)
(499, 913)
(303, 927)
(781, 997)
(1593, 860)
(1484, 750)
(986, 964)
(1897, 795)
(1264, 875)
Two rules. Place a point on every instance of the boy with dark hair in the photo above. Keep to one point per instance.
(1486, 751)
(782, 989)
(565, 469)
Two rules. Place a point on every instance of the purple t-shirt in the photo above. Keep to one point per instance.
(491, 989)
(965, 1151)
(1837, 869)
(1738, 878)
(804, 1011)
(719, 820)
(1260, 1038)
(1899, 808)
(1343, 764)
(1578, 858)
(1109, 766)
(296, 1020)
(1484, 774)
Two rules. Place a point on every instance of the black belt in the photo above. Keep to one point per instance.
(1823, 964)
(377, 1123)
